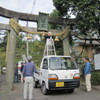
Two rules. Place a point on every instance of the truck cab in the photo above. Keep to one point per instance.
(58, 73)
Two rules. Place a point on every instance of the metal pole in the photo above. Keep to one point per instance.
(27, 44)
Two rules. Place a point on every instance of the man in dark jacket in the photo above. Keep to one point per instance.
(16, 78)
(28, 70)
(21, 70)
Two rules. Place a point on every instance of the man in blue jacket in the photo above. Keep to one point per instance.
(87, 73)
(28, 72)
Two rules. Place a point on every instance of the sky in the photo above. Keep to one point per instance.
(27, 6)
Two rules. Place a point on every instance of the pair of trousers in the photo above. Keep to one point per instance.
(88, 82)
(28, 87)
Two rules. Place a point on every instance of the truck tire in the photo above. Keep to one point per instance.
(43, 88)
(35, 83)
(70, 90)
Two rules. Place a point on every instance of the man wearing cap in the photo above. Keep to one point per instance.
(28, 70)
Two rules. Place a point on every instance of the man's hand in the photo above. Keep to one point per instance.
(38, 73)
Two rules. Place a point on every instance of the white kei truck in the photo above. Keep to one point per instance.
(57, 73)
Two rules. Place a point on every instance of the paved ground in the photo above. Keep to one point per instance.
(79, 94)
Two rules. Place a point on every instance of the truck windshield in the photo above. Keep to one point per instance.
(61, 63)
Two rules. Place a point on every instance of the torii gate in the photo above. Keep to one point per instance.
(12, 38)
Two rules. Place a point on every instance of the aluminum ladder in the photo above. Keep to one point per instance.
(49, 47)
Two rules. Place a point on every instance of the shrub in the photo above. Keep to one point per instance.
(95, 78)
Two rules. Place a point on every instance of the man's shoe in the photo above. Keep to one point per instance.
(31, 99)
(89, 91)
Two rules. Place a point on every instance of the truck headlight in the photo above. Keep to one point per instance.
(76, 76)
(52, 77)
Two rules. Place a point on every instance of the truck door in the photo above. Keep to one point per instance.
(44, 72)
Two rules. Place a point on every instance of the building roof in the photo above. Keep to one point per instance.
(88, 42)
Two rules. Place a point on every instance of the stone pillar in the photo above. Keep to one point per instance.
(11, 46)
(66, 46)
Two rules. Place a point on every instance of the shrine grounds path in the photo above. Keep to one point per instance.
(17, 93)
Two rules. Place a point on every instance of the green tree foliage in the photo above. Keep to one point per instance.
(2, 57)
(3, 43)
(55, 14)
(20, 47)
(36, 49)
(87, 13)
(63, 6)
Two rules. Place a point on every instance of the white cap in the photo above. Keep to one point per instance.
(29, 57)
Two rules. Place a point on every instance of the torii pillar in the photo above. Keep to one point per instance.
(65, 39)
(11, 46)
(66, 46)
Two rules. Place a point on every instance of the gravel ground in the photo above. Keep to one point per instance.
(17, 93)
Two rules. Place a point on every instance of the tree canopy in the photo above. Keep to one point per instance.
(87, 13)
(36, 49)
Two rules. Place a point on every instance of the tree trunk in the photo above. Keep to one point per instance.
(89, 51)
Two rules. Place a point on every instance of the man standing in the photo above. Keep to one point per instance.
(28, 70)
(16, 80)
(87, 73)
(21, 70)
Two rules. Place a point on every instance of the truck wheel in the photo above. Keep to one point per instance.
(44, 90)
(70, 90)
(35, 83)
